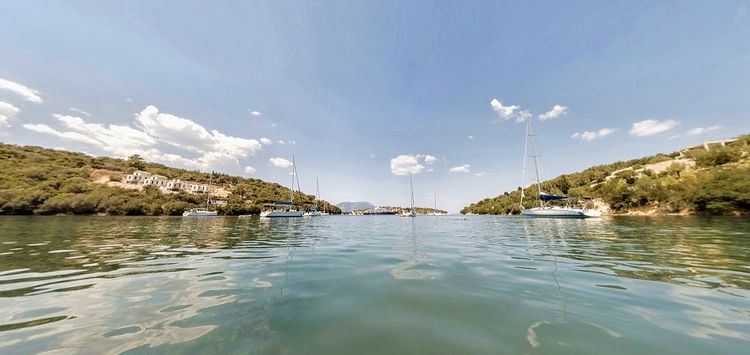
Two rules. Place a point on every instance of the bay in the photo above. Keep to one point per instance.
(366, 284)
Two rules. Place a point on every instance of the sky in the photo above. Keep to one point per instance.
(362, 93)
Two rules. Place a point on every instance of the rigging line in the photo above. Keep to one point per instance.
(536, 164)
(525, 157)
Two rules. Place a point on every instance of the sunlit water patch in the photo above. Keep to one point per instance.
(339, 284)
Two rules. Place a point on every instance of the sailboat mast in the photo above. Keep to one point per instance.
(291, 188)
(525, 157)
(411, 185)
(317, 191)
(536, 166)
(208, 189)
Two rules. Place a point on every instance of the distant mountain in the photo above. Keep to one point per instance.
(351, 206)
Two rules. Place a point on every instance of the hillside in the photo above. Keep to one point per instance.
(704, 179)
(36, 180)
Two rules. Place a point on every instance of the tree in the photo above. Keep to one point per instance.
(135, 161)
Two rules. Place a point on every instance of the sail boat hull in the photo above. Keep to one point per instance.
(558, 212)
(280, 214)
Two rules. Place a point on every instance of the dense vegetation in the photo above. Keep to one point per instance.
(36, 180)
(719, 183)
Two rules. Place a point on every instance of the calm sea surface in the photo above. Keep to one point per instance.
(359, 285)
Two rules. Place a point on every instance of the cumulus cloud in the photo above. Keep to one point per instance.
(189, 135)
(700, 130)
(505, 112)
(216, 150)
(523, 116)
(555, 112)
(74, 136)
(651, 127)
(280, 162)
(591, 135)
(7, 111)
(27, 93)
(256, 113)
(117, 139)
(249, 170)
(405, 164)
(460, 169)
(265, 141)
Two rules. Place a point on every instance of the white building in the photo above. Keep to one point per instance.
(145, 178)
(155, 180)
(137, 177)
(175, 185)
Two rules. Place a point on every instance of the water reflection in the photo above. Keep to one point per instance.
(286, 285)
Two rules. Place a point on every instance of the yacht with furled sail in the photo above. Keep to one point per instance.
(203, 212)
(546, 208)
(285, 208)
(412, 212)
(315, 211)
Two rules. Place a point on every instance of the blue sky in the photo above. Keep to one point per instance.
(362, 91)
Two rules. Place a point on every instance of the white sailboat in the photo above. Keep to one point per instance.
(285, 208)
(545, 209)
(314, 212)
(203, 212)
(435, 210)
(412, 212)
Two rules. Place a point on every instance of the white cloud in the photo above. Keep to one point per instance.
(505, 112)
(280, 141)
(429, 159)
(129, 99)
(249, 170)
(256, 113)
(74, 136)
(280, 162)
(651, 127)
(217, 150)
(470, 137)
(291, 142)
(7, 111)
(78, 110)
(480, 174)
(701, 130)
(372, 155)
(189, 135)
(460, 169)
(27, 93)
(591, 135)
(405, 164)
(121, 140)
(265, 141)
(555, 112)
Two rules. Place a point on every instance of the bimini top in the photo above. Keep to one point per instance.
(547, 197)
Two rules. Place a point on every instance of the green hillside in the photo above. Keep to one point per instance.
(36, 180)
(693, 181)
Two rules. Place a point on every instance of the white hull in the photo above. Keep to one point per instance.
(559, 212)
(409, 214)
(275, 214)
(194, 213)
(313, 214)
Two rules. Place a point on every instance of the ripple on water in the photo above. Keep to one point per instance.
(442, 285)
